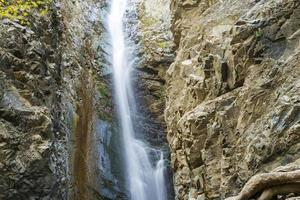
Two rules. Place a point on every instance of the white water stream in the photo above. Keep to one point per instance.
(146, 178)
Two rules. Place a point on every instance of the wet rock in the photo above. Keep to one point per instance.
(157, 52)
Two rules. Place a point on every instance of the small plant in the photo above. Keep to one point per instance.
(163, 44)
(20, 10)
(258, 33)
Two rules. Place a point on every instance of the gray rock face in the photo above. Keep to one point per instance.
(33, 160)
(232, 93)
(41, 70)
(156, 46)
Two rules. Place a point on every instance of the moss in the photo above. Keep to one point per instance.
(146, 22)
(104, 104)
(102, 90)
(163, 44)
(20, 10)
(258, 33)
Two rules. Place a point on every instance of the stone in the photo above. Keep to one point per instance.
(201, 197)
(40, 68)
(235, 100)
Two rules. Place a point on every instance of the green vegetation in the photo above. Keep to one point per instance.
(148, 21)
(258, 33)
(104, 103)
(102, 90)
(20, 10)
(163, 44)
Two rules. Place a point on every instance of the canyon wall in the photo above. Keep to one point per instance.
(50, 80)
(233, 93)
(33, 154)
(58, 132)
(154, 41)
(226, 72)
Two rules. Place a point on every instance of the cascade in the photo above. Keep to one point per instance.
(144, 172)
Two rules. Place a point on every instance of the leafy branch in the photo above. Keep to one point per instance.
(20, 10)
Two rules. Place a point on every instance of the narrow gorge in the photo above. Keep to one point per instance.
(150, 100)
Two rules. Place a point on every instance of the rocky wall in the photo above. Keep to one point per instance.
(233, 93)
(43, 105)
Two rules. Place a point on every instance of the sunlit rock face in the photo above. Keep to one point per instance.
(232, 96)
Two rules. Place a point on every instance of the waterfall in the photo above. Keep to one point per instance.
(145, 165)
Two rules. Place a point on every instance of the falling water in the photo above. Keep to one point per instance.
(145, 176)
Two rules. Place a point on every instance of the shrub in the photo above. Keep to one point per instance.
(20, 10)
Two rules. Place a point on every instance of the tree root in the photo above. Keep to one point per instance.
(270, 184)
(269, 193)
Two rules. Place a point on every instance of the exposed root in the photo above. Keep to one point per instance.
(269, 193)
(271, 183)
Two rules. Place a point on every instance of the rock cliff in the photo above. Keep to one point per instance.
(48, 74)
(220, 77)
(30, 91)
(232, 97)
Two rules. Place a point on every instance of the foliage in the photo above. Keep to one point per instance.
(258, 33)
(163, 44)
(20, 10)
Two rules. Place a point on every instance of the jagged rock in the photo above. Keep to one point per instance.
(40, 67)
(157, 52)
(232, 93)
